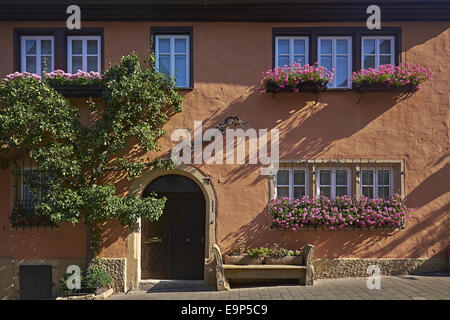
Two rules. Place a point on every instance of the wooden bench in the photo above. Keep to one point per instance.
(303, 273)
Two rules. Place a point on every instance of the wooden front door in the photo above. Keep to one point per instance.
(173, 247)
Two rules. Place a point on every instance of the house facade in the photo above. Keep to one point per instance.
(337, 142)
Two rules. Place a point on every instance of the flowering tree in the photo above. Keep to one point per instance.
(38, 122)
(294, 214)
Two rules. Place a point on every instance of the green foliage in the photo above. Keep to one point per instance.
(275, 251)
(41, 124)
(258, 252)
(96, 276)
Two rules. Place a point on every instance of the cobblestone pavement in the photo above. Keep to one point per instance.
(406, 287)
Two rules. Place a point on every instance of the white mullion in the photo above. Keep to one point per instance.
(333, 184)
(333, 61)
(84, 54)
(157, 53)
(291, 183)
(38, 57)
(377, 53)
(172, 56)
(187, 55)
(291, 51)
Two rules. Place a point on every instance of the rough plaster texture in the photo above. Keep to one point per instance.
(116, 268)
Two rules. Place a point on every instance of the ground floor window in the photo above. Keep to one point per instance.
(334, 178)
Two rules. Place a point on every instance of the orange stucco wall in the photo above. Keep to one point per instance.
(228, 61)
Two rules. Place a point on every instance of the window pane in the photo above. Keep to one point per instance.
(31, 64)
(299, 177)
(164, 65)
(283, 46)
(342, 46)
(342, 71)
(383, 192)
(30, 46)
(367, 177)
(77, 64)
(46, 47)
(326, 62)
(164, 45)
(369, 46)
(325, 177)
(283, 60)
(367, 191)
(77, 46)
(283, 177)
(180, 71)
(341, 177)
(385, 46)
(385, 59)
(180, 45)
(299, 47)
(92, 64)
(46, 63)
(369, 62)
(326, 191)
(341, 191)
(283, 191)
(300, 59)
(299, 192)
(326, 46)
(383, 177)
(92, 46)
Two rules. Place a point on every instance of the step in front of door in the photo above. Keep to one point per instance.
(174, 285)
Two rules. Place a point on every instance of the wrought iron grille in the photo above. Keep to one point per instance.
(29, 184)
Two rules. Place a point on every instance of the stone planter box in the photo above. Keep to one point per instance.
(79, 91)
(287, 260)
(243, 259)
(308, 86)
(378, 87)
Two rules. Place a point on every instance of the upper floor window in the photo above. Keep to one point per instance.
(291, 49)
(37, 54)
(172, 57)
(377, 51)
(336, 53)
(377, 183)
(83, 53)
(292, 183)
(334, 182)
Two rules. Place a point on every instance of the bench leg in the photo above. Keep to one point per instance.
(302, 281)
(223, 285)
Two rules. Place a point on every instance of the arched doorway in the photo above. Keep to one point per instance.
(174, 246)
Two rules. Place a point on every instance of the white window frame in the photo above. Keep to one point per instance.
(172, 55)
(23, 53)
(333, 181)
(291, 48)
(84, 53)
(375, 184)
(377, 53)
(333, 58)
(291, 184)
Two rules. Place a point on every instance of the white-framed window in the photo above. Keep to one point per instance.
(37, 54)
(377, 183)
(291, 49)
(83, 53)
(336, 53)
(334, 182)
(172, 57)
(292, 183)
(377, 50)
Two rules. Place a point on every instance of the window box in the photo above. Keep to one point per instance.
(79, 91)
(381, 87)
(308, 86)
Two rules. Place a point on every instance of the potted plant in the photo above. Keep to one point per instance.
(283, 256)
(75, 85)
(387, 77)
(296, 78)
(237, 255)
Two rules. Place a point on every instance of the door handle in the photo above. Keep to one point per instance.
(153, 240)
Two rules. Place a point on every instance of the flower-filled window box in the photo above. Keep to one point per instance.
(334, 214)
(389, 78)
(80, 84)
(296, 78)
